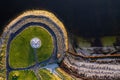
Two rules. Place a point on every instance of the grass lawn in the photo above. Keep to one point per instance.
(108, 40)
(82, 42)
(46, 75)
(21, 54)
(22, 75)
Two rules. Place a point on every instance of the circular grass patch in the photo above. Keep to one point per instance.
(21, 54)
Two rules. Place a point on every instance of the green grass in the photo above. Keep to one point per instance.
(46, 75)
(108, 40)
(22, 75)
(83, 42)
(21, 53)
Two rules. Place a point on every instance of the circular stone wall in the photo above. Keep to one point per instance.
(42, 19)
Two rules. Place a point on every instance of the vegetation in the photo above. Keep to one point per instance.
(22, 75)
(2, 63)
(46, 75)
(81, 41)
(21, 54)
(108, 41)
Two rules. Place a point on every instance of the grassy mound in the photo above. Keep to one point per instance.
(46, 75)
(22, 75)
(21, 54)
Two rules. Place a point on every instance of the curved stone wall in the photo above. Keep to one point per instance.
(40, 18)
(34, 18)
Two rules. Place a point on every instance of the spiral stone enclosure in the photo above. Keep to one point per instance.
(40, 18)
